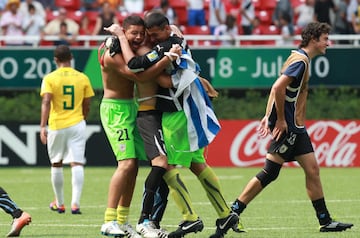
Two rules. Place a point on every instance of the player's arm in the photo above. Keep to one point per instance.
(117, 63)
(208, 87)
(86, 107)
(45, 112)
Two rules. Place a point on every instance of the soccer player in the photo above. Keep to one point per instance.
(174, 124)
(66, 95)
(118, 112)
(20, 218)
(284, 120)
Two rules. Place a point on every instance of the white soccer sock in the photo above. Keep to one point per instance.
(77, 183)
(57, 181)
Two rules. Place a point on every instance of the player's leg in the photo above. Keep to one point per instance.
(20, 218)
(315, 192)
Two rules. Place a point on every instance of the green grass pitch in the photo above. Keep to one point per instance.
(281, 210)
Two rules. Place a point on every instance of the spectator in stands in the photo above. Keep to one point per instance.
(247, 16)
(341, 25)
(322, 10)
(53, 27)
(283, 6)
(106, 18)
(285, 30)
(217, 14)
(48, 5)
(32, 25)
(196, 13)
(169, 12)
(10, 23)
(228, 29)
(304, 13)
(356, 19)
(89, 5)
(133, 6)
(2, 5)
(39, 9)
(114, 4)
(233, 7)
(65, 37)
(352, 7)
(256, 26)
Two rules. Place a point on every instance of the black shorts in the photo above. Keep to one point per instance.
(291, 145)
(150, 129)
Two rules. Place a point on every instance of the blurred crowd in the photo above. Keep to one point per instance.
(69, 18)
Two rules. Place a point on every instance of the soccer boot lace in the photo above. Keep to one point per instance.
(186, 227)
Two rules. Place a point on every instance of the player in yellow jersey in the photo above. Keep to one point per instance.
(66, 95)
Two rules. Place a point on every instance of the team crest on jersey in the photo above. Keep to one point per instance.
(152, 56)
(122, 147)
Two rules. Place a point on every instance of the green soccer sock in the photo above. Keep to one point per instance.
(210, 183)
(180, 194)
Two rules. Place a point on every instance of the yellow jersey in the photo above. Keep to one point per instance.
(68, 88)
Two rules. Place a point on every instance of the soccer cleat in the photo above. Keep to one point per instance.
(239, 227)
(112, 228)
(224, 224)
(129, 231)
(186, 227)
(334, 226)
(18, 224)
(147, 230)
(75, 210)
(53, 207)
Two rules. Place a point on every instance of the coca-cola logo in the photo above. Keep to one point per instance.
(335, 144)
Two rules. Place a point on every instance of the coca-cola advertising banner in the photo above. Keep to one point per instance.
(336, 144)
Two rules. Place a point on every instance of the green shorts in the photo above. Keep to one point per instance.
(118, 118)
(177, 142)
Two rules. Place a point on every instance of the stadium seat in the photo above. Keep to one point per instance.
(295, 3)
(178, 3)
(197, 30)
(182, 15)
(76, 16)
(51, 15)
(257, 4)
(150, 4)
(121, 16)
(268, 4)
(264, 16)
(68, 4)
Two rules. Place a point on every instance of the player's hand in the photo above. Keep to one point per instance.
(43, 135)
(263, 128)
(115, 29)
(279, 129)
(176, 49)
(176, 31)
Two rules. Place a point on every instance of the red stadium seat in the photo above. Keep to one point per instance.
(182, 15)
(264, 16)
(197, 30)
(178, 3)
(295, 3)
(257, 4)
(150, 4)
(68, 4)
(268, 4)
(76, 16)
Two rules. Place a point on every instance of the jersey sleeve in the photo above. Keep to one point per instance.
(143, 62)
(296, 70)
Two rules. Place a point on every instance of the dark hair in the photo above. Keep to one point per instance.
(313, 31)
(132, 20)
(31, 7)
(62, 53)
(164, 3)
(156, 19)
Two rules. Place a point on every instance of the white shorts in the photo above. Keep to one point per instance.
(67, 145)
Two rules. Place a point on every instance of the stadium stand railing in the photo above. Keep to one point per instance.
(203, 41)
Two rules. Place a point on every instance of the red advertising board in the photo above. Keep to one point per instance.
(336, 144)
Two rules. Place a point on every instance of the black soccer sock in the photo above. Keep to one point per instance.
(322, 212)
(151, 185)
(160, 202)
(8, 205)
(238, 206)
